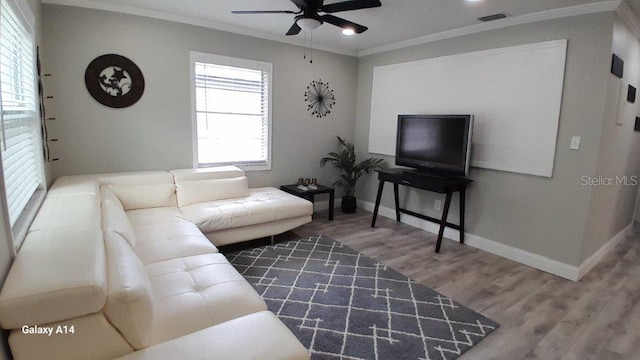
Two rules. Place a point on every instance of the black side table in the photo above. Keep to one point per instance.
(311, 193)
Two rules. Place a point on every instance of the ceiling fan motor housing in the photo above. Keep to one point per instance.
(308, 18)
(309, 22)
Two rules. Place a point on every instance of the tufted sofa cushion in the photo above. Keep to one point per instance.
(164, 233)
(195, 292)
(262, 332)
(263, 205)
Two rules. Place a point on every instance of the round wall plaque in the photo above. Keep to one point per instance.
(114, 81)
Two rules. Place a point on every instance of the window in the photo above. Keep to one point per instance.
(19, 125)
(231, 111)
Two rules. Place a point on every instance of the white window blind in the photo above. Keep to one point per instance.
(232, 112)
(20, 143)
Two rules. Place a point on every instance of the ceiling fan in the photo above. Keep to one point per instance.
(308, 17)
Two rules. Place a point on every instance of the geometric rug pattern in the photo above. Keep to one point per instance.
(343, 305)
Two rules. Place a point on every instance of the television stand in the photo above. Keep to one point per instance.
(427, 174)
(437, 184)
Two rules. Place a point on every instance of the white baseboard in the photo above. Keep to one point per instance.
(594, 259)
(528, 258)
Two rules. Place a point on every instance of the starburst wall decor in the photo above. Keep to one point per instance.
(320, 98)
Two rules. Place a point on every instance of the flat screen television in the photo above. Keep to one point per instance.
(435, 144)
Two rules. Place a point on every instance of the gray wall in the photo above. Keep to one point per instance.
(155, 133)
(612, 205)
(545, 216)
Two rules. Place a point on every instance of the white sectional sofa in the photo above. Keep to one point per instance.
(117, 266)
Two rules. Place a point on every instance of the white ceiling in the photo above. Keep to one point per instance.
(395, 22)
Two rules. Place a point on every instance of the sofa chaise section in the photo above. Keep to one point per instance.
(227, 211)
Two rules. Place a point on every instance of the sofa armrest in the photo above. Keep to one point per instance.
(257, 336)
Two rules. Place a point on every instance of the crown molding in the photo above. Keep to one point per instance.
(629, 18)
(618, 6)
(604, 6)
(161, 15)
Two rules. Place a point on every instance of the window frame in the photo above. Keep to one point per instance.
(239, 63)
(18, 230)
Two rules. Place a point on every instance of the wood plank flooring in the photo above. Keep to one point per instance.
(542, 316)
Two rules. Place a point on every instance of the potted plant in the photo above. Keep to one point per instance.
(350, 171)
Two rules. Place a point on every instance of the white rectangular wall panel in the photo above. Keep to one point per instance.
(515, 94)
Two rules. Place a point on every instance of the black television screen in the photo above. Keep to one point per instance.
(437, 144)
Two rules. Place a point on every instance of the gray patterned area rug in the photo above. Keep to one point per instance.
(344, 305)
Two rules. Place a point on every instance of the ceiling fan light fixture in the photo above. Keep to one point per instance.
(309, 24)
(348, 32)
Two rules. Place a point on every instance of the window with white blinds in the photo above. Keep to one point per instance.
(232, 111)
(21, 150)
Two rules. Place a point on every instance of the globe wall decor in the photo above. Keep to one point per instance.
(114, 81)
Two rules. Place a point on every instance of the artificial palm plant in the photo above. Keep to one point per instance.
(350, 171)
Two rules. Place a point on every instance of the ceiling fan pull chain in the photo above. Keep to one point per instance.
(311, 49)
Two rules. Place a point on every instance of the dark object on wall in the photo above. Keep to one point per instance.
(637, 125)
(114, 81)
(44, 130)
(320, 98)
(493, 17)
(631, 94)
(617, 66)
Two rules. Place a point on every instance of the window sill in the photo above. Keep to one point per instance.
(21, 227)
(244, 167)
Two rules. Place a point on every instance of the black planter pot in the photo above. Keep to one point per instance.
(348, 204)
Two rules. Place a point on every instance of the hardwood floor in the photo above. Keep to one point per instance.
(542, 316)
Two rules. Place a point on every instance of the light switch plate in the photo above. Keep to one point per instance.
(575, 143)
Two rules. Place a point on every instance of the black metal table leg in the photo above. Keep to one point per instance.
(462, 202)
(331, 199)
(443, 221)
(375, 210)
(395, 195)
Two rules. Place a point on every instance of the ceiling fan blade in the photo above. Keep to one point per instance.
(264, 12)
(294, 30)
(345, 24)
(350, 5)
(301, 4)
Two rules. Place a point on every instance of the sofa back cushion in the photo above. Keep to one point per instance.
(144, 196)
(129, 307)
(60, 211)
(191, 192)
(217, 172)
(58, 274)
(113, 216)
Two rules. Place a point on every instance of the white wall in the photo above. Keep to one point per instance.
(155, 133)
(542, 216)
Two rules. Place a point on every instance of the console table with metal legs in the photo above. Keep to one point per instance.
(437, 184)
